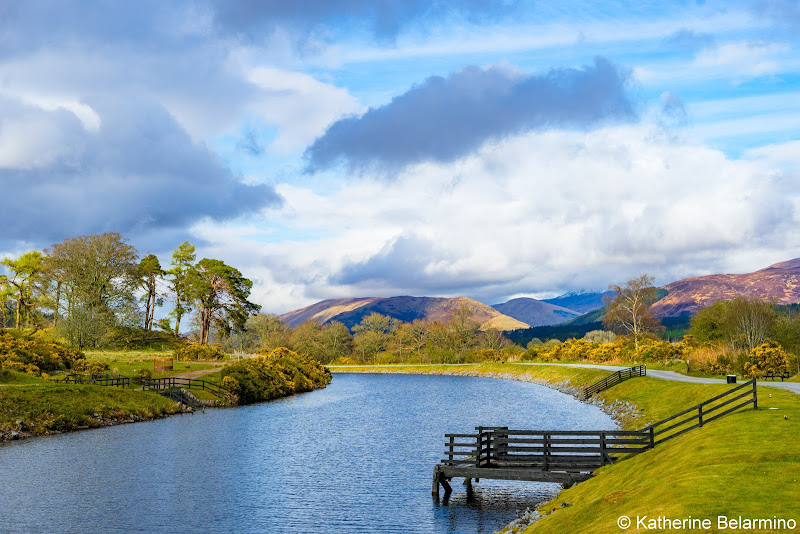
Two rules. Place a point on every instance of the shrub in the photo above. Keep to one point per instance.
(278, 374)
(768, 356)
(34, 354)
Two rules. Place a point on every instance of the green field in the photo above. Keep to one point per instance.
(744, 464)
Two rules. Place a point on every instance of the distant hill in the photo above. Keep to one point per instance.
(352, 311)
(580, 301)
(779, 282)
(535, 312)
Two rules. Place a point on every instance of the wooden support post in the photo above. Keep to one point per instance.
(435, 486)
(755, 396)
(652, 437)
(450, 451)
(700, 414)
(603, 454)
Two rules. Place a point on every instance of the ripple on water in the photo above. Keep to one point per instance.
(355, 457)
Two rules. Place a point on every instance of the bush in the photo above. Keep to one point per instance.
(280, 373)
(768, 356)
(34, 354)
(199, 352)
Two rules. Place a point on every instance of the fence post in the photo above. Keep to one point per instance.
(652, 437)
(700, 412)
(479, 447)
(545, 449)
(602, 448)
(450, 452)
(755, 396)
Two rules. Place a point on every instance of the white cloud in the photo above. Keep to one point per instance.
(538, 212)
(299, 104)
(744, 59)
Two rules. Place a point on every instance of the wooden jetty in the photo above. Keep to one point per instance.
(568, 456)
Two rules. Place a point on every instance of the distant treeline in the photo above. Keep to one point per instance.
(674, 329)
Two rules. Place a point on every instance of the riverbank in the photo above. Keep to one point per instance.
(36, 407)
(742, 465)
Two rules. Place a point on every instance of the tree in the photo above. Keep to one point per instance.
(742, 323)
(628, 311)
(220, 292)
(149, 272)
(182, 262)
(97, 277)
(372, 335)
(25, 272)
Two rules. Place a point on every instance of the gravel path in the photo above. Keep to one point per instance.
(794, 387)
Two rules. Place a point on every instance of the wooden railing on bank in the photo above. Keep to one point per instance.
(568, 456)
(171, 382)
(703, 413)
(613, 379)
(97, 379)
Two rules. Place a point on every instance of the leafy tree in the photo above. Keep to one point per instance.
(628, 310)
(25, 272)
(220, 292)
(741, 323)
(97, 277)
(372, 335)
(149, 272)
(182, 262)
(335, 341)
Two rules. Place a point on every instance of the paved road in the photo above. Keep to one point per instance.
(794, 387)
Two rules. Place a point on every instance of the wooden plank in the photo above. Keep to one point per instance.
(529, 475)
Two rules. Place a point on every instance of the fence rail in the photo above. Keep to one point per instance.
(613, 379)
(703, 413)
(172, 382)
(97, 379)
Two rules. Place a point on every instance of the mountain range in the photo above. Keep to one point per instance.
(779, 282)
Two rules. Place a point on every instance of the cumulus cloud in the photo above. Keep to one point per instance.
(445, 118)
(535, 213)
(138, 172)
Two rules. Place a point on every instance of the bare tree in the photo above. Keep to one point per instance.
(628, 311)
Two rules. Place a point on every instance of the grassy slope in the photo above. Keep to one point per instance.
(45, 407)
(746, 463)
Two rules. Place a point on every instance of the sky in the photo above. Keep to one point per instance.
(346, 148)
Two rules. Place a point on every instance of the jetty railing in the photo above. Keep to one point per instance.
(613, 379)
(545, 450)
(172, 382)
(97, 379)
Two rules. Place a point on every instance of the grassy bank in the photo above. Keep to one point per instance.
(744, 464)
(45, 408)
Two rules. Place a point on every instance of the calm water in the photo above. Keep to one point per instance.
(355, 457)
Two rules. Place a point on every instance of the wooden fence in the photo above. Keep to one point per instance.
(172, 382)
(545, 450)
(613, 379)
(703, 413)
(96, 379)
(576, 451)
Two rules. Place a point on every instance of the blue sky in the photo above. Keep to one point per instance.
(491, 149)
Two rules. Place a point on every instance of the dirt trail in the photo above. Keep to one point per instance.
(201, 372)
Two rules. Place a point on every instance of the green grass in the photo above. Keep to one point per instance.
(47, 407)
(12, 377)
(745, 463)
(128, 362)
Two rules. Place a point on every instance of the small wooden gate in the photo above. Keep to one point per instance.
(162, 364)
